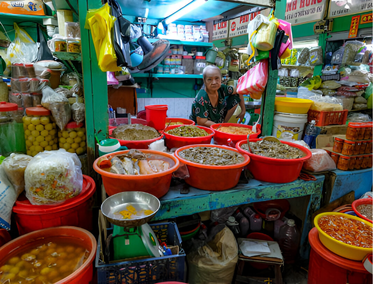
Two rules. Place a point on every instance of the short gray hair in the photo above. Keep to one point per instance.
(210, 67)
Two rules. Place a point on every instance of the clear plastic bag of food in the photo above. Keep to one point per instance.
(332, 85)
(14, 167)
(304, 55)
(66, 92)
(8, 197)
(316, 56)
(52, 177)
(358, 117)
(72, 30)
(78, 110)
(328, 92)
(360, 106)
(58, 104)
(319, 162)
(346, 94)
(360, 100)
(351, 48)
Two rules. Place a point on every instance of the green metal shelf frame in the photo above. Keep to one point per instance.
(183, 42)
(24, 18)
(176, 76)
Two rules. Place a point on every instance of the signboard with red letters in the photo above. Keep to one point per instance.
(340, 8)
(238, 26)
(220, 31)
(366, 19)
(304, 11)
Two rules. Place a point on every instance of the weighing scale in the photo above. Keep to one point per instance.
(131, 238)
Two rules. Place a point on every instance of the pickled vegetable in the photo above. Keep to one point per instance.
(211, 156)
(188, 131)
(272, 149)
(135, 132)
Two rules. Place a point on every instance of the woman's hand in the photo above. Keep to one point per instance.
(241, 115)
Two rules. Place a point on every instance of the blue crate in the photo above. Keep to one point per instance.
(148, 270)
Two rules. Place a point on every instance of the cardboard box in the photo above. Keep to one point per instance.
(124, 97)
(25, 7)
(327, 134)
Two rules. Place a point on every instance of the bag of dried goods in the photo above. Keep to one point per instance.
(360, 100)
(328, 92)
(316, 56)
(319, 162)
(8, 197)
(78, 110)
(346, 102)
(360, 106)
(304, 55)
(52, 177)
(330, 85)
(14, 167)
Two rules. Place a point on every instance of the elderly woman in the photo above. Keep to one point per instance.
(215, 103)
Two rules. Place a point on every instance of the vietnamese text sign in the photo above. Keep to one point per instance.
(238, 26)
(220, 31)
(354, 27)
(304, 11)
(366, 19)
(348, 7)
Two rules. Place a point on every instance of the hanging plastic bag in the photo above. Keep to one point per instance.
(101, 24)
(254, 81)
(44, 53)
(23, 49)
(78, 110)
(265, 37)
(319, 162)
(8, 197)
(252, 28)
(286, 27)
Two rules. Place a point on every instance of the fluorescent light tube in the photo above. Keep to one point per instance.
(185, 10)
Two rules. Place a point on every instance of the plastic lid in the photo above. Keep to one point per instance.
(345, 157)
(200, 57)
(73, 124)
(335, 154)
(23, 80)
(291, 222)
(36, 94)
(338, 139)
(38, 110)
(34, 79)
(17, 64)
(4, 106)
(29, 65)
(349, 142)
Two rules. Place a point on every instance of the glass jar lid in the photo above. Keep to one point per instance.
(4, 106)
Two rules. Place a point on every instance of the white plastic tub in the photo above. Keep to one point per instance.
(286, 125)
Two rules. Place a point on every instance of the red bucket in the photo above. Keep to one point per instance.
(76, 211)
(156, 116)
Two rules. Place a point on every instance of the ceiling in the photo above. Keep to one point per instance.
(160, 9)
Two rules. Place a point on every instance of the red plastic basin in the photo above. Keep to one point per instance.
(132, 144)
(157, 184)
(173, 141)
(124, 120)
(221, 138)
(275, 170)
(358, 202)
(183, 120)
(83, 275)
(76, 211)
(209, 177)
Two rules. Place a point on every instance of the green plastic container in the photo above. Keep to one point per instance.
(109, 146)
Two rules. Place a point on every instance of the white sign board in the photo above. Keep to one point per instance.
(304, 11)
(220, 31)
(348, 7)
(238, 26)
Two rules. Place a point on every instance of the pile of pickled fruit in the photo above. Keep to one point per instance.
(135, 162)
(44, 263)
(211, 156)
(346, 230)
(132, 213)
(135, 132)
(175, 123)
(366, 210)
(273, 149)
(188, 131)
(73, 141)
(237, 130)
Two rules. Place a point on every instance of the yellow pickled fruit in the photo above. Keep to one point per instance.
(59, 134)
(82, 144)
(51, 142)
(48, 127)
(35, 133)
(70, 140)
(34, 153)
(80, 133)
(40, 138)
(32, 148)
(31, 127)
(29, 152)
(54, 125)
(48, 138)
(71, 150)
(55, 147)
(14, 260)
(39, 149)
(77, 140)
(53, 132)
(35, 120)
(44, 144)
(7, 277)
(36, 143)
(55, 140)
(31, 138)
(39, 127)
(48, 148)
(72, 134)
(65, 134)
(26, 120)
(79, 151)
(6, 268)
(27, 132)
(61, 145)
(44, 133)
(62, 140)
(75, 145)
(44, 120)
(14, 270)
(28, 143)
(45, 271)
(66, 146)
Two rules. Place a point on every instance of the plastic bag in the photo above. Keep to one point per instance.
(8, 197)
(14, 167)
(221, 215)
(316, 56)
(360, 106)
(358, 117)
(214, 262)
(23, 49)
(360, 54)
(347, 102)
(346, 93)
(304, 55)
(337, 56)
(319, 162)
(78, 110)
(330, 85)
(265, 37)
(327, 103)
(52, 177)
(351, 48)
(305, 93)
(360, 100)
(295, 73)
(347, 88)
(58, 104)
(328, 92)
(66, 92)
(252, 30)
(254, 81)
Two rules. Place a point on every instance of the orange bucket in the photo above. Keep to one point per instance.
(156, 116)
(83, 275)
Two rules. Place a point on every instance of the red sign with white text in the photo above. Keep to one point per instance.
(238, 26)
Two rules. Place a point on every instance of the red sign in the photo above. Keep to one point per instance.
(354, 27)
(366, 19)
(233, 26)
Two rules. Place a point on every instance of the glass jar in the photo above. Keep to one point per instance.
(359, 161)
(357, 148)
(368, 131)
(30, 71)
(36, 99)
(365, 163)
(343, 163)
(352, 131)
(73, 138)
(368, 148)
(348, 148)
(335, 158)
(351, 165)
(74, 45)
(370, 161)
(40, 130)
(60, 45)
(199, 64)
(4, 92)
(363, 147)
(361, 131)
(11, 131)
(338, 145)
(16, 98)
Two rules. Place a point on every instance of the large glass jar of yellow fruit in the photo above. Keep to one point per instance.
(40, 130)
(72, 138)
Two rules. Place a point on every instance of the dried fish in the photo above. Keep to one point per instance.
(212, 156)
(188, 131)
(273, 149)
(117, 166)
(128, 166)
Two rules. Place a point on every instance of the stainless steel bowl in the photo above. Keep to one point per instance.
(138, 199)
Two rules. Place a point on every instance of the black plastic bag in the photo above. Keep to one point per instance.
(44, 53)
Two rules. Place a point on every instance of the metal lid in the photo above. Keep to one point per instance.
(291, 222)
(4, 106)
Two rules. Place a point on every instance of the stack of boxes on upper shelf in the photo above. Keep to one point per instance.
(187, 33)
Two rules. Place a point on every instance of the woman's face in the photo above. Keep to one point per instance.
(213, 80)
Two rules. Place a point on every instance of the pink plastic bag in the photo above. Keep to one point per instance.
(319, 162)
(286, 27)
(254, 81)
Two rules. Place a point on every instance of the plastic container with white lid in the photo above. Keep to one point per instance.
(289, 124)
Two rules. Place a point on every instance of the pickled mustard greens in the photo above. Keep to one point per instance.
(272, 149)
(47, 262)
(188, 131)
(134, 132)
(211, 156)
(366, 210)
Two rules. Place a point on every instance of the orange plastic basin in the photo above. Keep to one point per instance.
(358, 202)
(135, 144)
(208, 177)
(157, 184)
(173, 141)
(221, 138)
(83, 275)
(183, 120)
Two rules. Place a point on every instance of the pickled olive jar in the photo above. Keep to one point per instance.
(343, 163)
(338, 145)
(368, 148)
(73, 138)
(357, 147)
(361, 131)
(352, 131)
(351, 165)
(40, 130)
(363, 147)
(368, 131)
(335, 158)
(348, 148)
(365, 163)
(358, 163)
